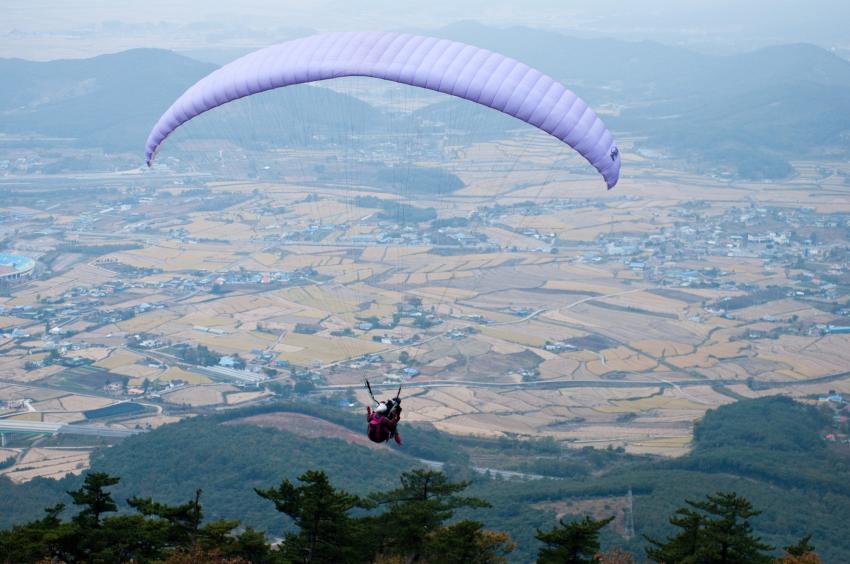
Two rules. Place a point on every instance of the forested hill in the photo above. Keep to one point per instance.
(227, 460)
(770, 451)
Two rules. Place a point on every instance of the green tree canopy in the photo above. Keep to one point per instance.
(714, 531)
(576, 542)
(423, 503)
(326, 531)
(94, 499)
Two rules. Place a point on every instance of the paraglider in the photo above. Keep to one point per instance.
(383, 420)
(453, 68)
(449, 67)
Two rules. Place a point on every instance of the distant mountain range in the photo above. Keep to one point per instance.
(112, 101)
(109, 101)
(748, 113)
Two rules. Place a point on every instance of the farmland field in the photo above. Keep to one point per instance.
(528, 302)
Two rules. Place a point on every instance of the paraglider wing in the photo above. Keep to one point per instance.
(445, 66)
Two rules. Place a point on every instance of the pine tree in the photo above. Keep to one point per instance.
(728, 533)
(94, 498)
(715, 531)
(89, 540)
(34, 541)
(576, 542)
(801, 552)
(801, 547)
(321, 513)
(423, 503)
(184, 520)
(466, 542)
(684, 545)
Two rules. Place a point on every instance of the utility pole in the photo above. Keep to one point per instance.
(630, 517)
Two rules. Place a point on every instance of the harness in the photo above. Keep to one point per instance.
(377, 433)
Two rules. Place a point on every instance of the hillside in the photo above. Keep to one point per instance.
(768, 450)
(227, 458)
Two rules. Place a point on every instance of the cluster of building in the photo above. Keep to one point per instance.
(795, 238)
(840, 409)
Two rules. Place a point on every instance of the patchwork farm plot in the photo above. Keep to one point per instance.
(528, 302)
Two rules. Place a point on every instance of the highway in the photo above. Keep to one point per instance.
(7, 426)
(558, 384)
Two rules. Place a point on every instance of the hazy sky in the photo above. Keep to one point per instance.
(43, 29)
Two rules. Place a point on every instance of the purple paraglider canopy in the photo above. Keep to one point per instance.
(445, 66)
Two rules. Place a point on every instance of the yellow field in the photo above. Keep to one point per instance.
(440, 295)
(710, 354)
(349, 274)
(204, 319)
(9, 321)
(78, 403)
(377, 310)
(304, 349)
(621, 359)
(663, 348)
(507, 238)
(514, 334)
(241, 342)
(321, 299)
(647, 301)
(47, 463)
(236, 304)
(807, 359)
(242, 397)
(138, 372)
(172, 258)
(27, 417)
(662, 402)
(147, 322)
(575, 286)
(117, 358)
(175, 373)
(210, 394)
(669, 446)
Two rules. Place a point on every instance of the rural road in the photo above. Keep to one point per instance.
(504, 474)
